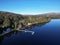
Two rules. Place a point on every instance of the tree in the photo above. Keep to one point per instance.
(6, 23)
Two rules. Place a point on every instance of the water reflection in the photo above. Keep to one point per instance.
(17, 32)
(7, 35)
(1, 39)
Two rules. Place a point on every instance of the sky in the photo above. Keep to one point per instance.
(30, 6)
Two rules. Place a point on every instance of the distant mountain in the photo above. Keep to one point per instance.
(52, 15)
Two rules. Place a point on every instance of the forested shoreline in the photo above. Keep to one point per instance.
(19, 21)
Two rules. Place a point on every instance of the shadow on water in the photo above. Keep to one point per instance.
(9, 35)
(15, 32)
(1, 39)
(45, 34)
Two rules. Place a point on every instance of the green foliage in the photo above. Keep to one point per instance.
(6, 23)
(9, 19)
(14, 20)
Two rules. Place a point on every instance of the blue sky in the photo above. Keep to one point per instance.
(30, 6)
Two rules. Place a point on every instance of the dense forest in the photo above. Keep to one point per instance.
(9, 20)
(15, 21)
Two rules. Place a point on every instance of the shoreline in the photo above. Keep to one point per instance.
(27, 26)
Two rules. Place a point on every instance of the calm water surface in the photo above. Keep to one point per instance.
(46, 34)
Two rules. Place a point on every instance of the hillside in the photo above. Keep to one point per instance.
(51, 15)
(19, 21)
(8, 19)
(14, 21)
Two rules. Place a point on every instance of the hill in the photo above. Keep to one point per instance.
(51, 15)
(14, 21)
(8, 19)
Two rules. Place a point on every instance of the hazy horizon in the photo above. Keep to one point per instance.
(30, 6)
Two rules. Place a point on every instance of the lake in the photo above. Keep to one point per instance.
(45, 34)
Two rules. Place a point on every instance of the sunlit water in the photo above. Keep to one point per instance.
(47, 34)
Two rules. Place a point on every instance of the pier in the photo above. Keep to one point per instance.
(32, 32)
